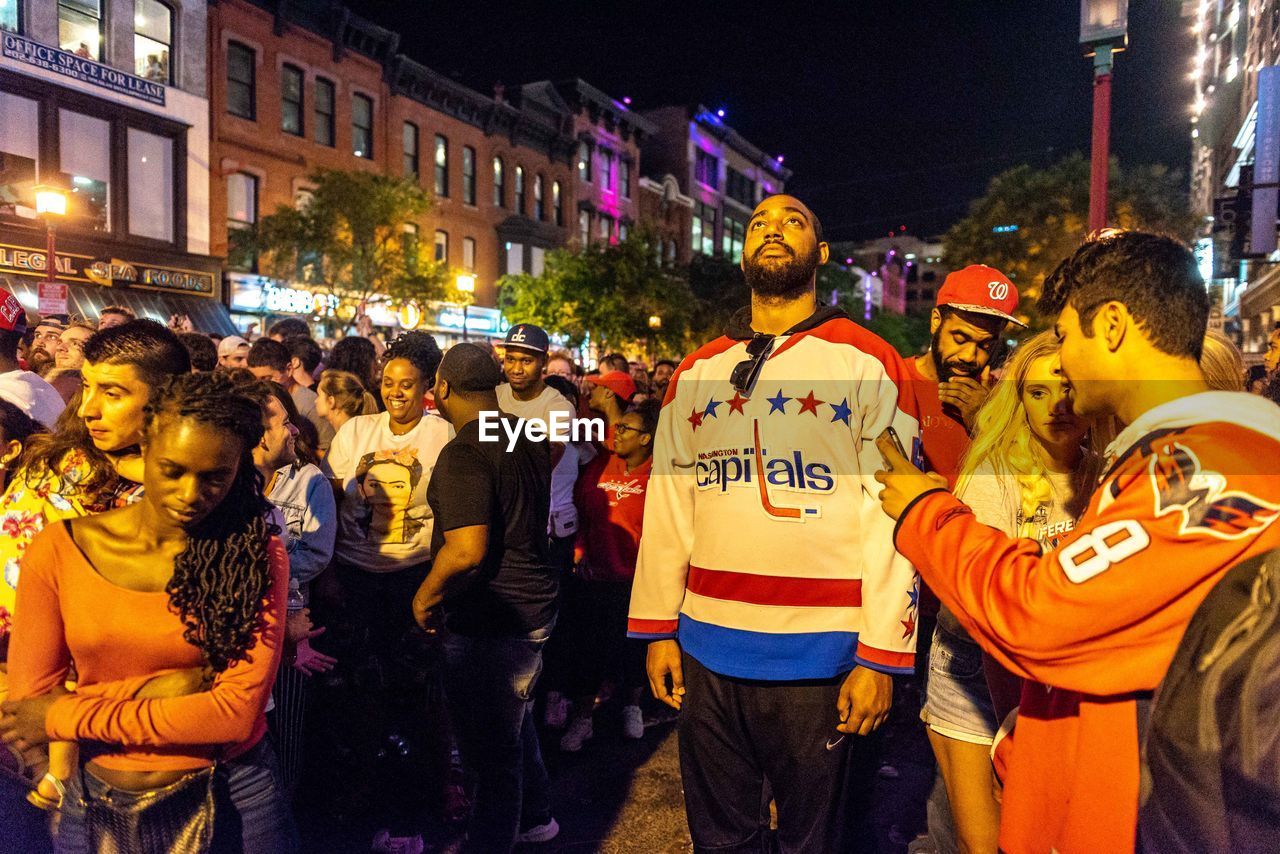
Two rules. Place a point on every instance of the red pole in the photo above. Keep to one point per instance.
(50, 255)
(1101, 149)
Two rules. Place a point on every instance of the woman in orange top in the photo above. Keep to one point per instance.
(192, 576)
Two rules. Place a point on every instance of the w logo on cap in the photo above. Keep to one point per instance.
(999, 290)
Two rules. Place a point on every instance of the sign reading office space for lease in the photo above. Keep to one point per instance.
(67, 64)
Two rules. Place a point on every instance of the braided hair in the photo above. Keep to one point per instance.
(220, 580)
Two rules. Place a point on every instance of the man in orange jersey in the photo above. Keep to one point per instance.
(1186, 495)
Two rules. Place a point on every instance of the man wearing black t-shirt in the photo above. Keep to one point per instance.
(493, 580)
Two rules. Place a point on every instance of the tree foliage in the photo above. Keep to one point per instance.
(605, 291)
(349, 236)
(1051, 209)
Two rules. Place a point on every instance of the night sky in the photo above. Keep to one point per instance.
(891, 113)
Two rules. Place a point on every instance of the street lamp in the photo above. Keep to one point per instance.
(51, 203)
(466, 283)
(655, 323)
(1104, 26)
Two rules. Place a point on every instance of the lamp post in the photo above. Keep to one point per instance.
(466, 283)
(51, 203)
(1104, 26)
(655, 323)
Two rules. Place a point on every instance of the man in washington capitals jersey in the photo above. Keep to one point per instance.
(767, 579)
(1190, 490)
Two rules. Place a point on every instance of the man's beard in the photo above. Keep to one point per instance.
(949, 370)
(783, 279)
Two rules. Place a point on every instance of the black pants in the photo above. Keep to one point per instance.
(594, 631)
(739, 735)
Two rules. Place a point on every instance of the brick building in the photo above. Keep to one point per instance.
(723, 173)
(295, 87)
(608, 136)
(106, 101)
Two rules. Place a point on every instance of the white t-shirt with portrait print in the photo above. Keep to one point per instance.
(384, 523)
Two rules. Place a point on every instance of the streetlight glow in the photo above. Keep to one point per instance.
(655, 322)
(51, 201)
(466, 283)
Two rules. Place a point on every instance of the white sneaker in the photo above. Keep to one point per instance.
(632, 722)
(556, 713)
(541, 833)
(580, 730)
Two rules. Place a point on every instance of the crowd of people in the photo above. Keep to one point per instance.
(235, 569)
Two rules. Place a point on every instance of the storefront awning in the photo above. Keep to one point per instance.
(87, 301)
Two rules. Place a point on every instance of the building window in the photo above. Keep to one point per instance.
(324, 112)
(606, 170)
(584, 161)
(291, 100)
(704, 229)
(624, 178)
(584, 227)
(539, 203)
(706, 168)
(80, 28)
(468, 175)
(520, 190)
(623, 231)
(150, 185)
(241, 94)
(20, 153)
(739, 187)
(469, 254)
(242, 215)
(410, 136)
(606, 227)
(11, 15)
(362, 126)
(499, 184)
(557, 203)
(442, 246)
(152, 40)
(442, 167)
(731, 242)
(409, 243)
(84, 144)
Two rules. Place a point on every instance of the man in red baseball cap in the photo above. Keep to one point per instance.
(974, 306)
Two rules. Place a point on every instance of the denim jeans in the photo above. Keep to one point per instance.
(251, 816)
(489, 685)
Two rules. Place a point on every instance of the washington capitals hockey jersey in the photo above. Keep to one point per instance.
(764, 549)
(1193, 491)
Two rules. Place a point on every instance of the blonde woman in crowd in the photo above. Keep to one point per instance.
(1027, 473)
(341, 396)
(1221, 363)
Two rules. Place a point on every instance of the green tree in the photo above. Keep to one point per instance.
(606, 292)
(355, 235)
(1051, 209)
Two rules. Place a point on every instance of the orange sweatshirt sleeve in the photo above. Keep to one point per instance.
(1104, 612)
(38, 655)
(225, 714)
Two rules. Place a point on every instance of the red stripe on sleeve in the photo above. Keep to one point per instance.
(653, 627)
(885, 658)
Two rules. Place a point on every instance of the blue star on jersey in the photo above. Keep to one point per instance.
(778, 404)
(842, 411)
(710, 411)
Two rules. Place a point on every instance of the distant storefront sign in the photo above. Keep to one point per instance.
(81, 68)
(255, 294)
(25, 261)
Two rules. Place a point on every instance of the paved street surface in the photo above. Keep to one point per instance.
(624, 796)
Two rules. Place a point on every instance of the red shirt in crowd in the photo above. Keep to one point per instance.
(943, 434)
(611, 512)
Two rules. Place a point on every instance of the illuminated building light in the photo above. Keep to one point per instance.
(1233, 68)
(720, 113)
